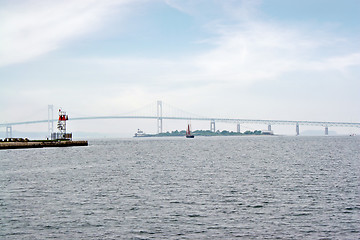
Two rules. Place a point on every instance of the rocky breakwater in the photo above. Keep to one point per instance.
(14, 143)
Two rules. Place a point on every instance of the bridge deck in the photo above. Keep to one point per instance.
(233, 120)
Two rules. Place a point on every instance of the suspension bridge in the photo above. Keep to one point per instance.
(177, 114)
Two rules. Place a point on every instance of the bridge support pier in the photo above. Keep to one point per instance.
(50, 120)
(159, 117)
(238, 128)
(8, 131)
(326, 130)
(269, 127)
(297, 130)
(212, 126)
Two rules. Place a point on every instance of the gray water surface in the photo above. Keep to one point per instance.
(177, 188)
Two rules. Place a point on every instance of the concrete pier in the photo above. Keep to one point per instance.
(212, 126)
(9, 131)
(297, 130)
(40, 144)
(159, 117)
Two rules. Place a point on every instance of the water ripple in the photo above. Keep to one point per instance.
(172, 188)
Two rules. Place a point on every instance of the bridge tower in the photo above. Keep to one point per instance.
(238, 128)
(326, 130)
(159, 117)
(212, 126)
(50, 119)
(297, 129)
(269, 127)
(9, 131)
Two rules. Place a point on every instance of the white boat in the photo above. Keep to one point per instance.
(140, 133)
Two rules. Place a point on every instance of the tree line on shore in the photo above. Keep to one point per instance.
(208, 133)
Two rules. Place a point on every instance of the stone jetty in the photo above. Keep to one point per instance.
(15, 143)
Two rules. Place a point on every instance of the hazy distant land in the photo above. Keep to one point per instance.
(177, 133)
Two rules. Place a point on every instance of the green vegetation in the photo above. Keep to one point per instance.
(206, 133)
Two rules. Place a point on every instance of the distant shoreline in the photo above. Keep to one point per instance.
(204, 133)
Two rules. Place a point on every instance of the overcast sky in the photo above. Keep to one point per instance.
(270, 59)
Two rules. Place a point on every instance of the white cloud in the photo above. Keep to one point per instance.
(241, 55)
(245, 50)
(248, 48)
(205, 9)
(29, 29)
(339, 63)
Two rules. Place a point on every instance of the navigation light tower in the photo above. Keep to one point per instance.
(61, 126)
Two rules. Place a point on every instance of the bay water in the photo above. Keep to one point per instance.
(247, 187)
